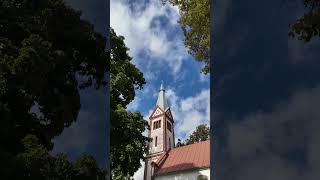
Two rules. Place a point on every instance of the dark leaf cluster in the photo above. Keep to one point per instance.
(128, 144)
(202, 133)
(47, 54)
(308, 26)
(195, 23)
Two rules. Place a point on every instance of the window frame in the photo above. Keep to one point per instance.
(157, 124)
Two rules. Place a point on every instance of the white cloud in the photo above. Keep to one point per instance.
(135, 25)
(258, 142)
(189, 112)
(139, 99)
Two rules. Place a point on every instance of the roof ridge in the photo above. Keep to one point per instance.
(191, 144)
(189, 157)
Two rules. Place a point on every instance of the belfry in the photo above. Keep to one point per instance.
(163, 160)
(161, 131)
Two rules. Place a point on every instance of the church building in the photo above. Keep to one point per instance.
(164, 161)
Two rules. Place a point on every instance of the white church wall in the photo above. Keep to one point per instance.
(156, 133)
(185, 175)
(149, 166)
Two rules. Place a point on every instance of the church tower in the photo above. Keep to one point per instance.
(161, 132)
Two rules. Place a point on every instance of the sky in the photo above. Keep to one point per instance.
(155, 40)
(265, 88)
(266, 93)
(88, 135)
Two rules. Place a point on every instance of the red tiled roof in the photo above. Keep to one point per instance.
(186, 157)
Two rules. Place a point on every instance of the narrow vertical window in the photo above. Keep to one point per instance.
(169, 127)
(156, 141)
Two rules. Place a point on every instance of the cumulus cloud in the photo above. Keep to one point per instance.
(189, 112)
(139, 100)
(143, 30)
(261, 144)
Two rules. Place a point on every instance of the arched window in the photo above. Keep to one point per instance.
(157, 124)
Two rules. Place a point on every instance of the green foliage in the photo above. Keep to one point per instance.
(308, 26)
(37, 163)
(127, 145)
(180, 143)
(86, 168)
(47, 53)
(125, 77)
(44, 48)
(202, 133)
(195, 23)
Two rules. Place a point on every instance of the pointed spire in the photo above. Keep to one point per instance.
(162, 101)
(161, 86)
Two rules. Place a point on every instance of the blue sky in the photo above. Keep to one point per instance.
(155, 40)
(156, 45)
(266, 92)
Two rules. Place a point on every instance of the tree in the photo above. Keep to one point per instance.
(47, 52)
(308, 26)
(36, 163)
(195, 23)
(45, 49)
(180, 143)
(201, 133)
(128, 145)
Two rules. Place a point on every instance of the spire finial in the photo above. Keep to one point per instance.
(161, 86)
(162, 101)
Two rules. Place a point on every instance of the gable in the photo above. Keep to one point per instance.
(157, 112)
(168, 113)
